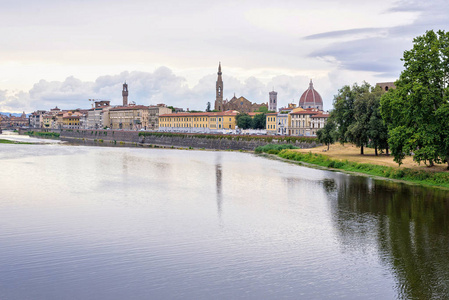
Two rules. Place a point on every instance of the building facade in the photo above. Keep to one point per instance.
(132, 117)
(240, 104)
(37, 119)
(95, 115)
(153, 115)
(304, 120)
(201, 122)
(385, 86)
(311, 98)
(272, 102)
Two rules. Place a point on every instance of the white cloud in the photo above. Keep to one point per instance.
(261, 43)
(164, 86)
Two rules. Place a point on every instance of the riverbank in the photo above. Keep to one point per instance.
(167, 139)
(4, 141)
(381, 167)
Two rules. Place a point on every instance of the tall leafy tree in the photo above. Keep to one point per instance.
(417, 111)
(243, 121)
(357, 132)
(377, 129)
(259, 121)
(326, 135)
(343, 112)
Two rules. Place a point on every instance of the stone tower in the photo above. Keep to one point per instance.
(272, 104)
(125, 94)
(219, 91)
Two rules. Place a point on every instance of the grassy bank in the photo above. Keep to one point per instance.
(50, 135)
(440, 179)
(3, 141)
(287, 139)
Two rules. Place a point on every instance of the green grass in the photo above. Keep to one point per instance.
(427, 178)
(288, 139)
(43, 134)
(3, 141)
(273, 148)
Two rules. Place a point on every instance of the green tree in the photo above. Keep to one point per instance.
(417, 112)
(343, 112)
(326, 135)
(357, 132)
(243, 121)
(263, 109)
(208, 107)
(259, 121)
(377, 129)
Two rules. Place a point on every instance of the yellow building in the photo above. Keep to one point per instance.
(271, 123)
(300, 121)
(198, 122)
(48, 120)
(133, 117)
(71, 120)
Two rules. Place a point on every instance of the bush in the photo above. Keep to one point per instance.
(274, 148)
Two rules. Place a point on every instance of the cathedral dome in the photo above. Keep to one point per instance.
(311, 99)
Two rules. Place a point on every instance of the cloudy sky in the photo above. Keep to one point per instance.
(64, 52)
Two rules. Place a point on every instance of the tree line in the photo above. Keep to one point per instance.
(410, 119)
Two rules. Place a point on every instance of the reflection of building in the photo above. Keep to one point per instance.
(240, 104)
(198, 122)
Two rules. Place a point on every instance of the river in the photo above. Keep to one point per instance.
(81, 222)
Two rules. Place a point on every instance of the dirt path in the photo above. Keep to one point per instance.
(351, 153)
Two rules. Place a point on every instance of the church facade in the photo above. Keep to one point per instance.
(240, 104)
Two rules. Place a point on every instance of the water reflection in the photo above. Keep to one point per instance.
(219, 185)
(408, 225)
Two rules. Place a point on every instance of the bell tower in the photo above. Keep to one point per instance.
(125, 94)
(219, 91)
(272, 105)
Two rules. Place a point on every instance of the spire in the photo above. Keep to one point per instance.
(311, 84)
(219, 68)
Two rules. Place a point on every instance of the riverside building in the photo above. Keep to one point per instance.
(201, 122)
(304, 120)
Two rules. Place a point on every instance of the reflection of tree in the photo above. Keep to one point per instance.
(408, 224)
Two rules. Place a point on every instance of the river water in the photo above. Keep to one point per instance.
(127, 223)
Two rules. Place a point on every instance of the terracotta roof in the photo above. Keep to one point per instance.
(132, 107)
(201, 114)
(310, 96)
(321, 116)
(305, 112)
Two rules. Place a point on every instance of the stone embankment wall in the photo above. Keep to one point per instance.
(132, 138)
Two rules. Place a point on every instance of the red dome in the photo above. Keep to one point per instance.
(311, 98)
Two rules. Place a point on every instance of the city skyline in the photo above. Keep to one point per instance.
(66, 53)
